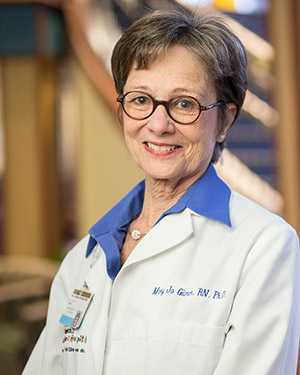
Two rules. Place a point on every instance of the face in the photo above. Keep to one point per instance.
(164, 149)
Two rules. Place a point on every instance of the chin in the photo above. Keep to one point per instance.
(159, 175)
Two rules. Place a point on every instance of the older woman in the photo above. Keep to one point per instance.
(182, 276)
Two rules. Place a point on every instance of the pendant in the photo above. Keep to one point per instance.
(136, 234)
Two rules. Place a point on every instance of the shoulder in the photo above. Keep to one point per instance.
(77, 254)
(268, 243)
(74, 261)
(253, 221)
(243, 210)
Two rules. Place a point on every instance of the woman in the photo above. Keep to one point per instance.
(182, 276)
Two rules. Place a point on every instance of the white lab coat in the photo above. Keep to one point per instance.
(195, 297)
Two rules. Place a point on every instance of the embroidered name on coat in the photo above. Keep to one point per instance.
(199, 292)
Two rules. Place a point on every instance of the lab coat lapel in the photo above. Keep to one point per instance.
(94, 273)
(169, 232)
(100, 285)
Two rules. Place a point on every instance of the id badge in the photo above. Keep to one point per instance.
(76, 308)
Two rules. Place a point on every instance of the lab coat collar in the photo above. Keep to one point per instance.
(209, 196)
(156, 241)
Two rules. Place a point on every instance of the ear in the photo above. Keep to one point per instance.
(120, 116)
(229, 117)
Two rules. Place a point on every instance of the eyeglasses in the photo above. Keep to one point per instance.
(182, 109)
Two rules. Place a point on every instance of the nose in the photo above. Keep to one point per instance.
(160, 122)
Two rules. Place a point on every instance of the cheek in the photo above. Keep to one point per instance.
(131, 139)
(201, 148)
(129, 130)
(131, 127)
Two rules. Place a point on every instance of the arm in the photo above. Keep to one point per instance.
(46, 357)
(263, 327)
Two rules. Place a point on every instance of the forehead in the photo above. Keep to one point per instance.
(178, 69)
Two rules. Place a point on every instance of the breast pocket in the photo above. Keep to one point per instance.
(175, 348)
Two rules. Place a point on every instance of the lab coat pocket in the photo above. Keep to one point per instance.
(182, 348)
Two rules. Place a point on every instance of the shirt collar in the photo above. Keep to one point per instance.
(209, 197)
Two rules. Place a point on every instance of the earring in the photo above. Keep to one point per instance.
(222, 137)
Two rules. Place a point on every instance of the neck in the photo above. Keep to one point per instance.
(160, 195)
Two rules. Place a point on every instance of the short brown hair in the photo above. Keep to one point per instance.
(207, 35)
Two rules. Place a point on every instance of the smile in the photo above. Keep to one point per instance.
(162, 148)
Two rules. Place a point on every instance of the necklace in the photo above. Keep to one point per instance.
(136, 234)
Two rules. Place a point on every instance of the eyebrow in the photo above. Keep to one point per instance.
(196, 94)
(177, 91)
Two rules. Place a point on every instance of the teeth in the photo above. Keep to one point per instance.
(160, 148)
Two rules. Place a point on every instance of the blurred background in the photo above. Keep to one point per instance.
(63, 161)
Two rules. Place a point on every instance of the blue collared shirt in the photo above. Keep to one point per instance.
(209, 196)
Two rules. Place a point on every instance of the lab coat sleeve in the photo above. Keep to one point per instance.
(263, 328)
(46, 357)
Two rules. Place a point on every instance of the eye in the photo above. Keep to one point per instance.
(142, 100)
(185, 104)
(138, 99)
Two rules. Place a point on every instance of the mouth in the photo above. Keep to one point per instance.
(161, 147)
